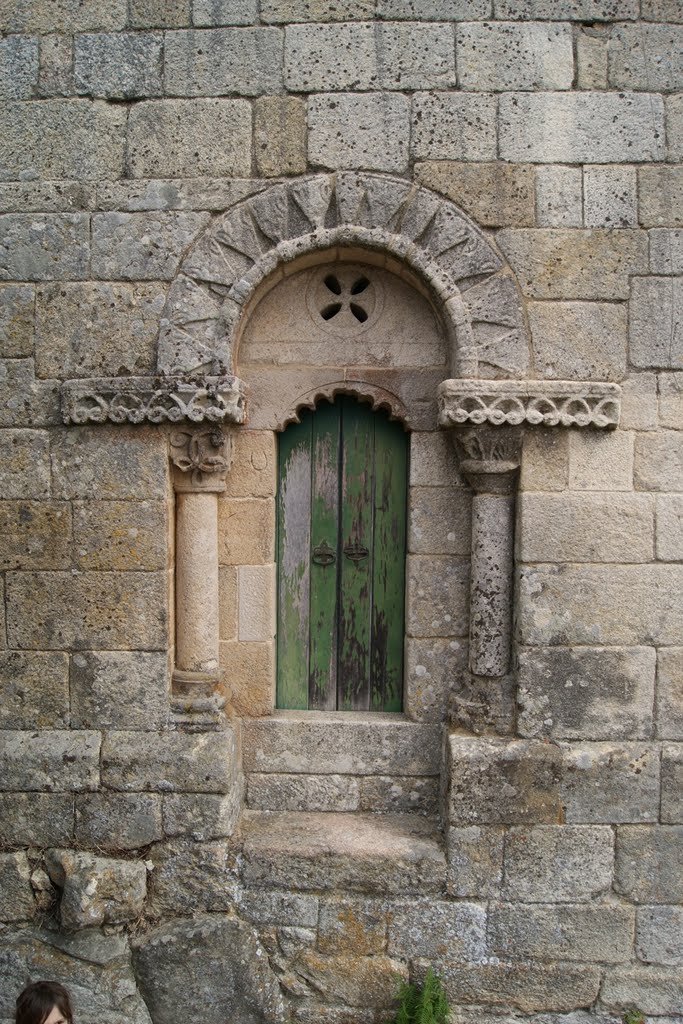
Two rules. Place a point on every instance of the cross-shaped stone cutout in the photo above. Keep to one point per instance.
(336, 287)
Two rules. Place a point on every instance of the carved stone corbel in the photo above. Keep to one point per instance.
(201, 460)
(490, 459)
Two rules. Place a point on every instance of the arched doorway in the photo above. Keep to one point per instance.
(341, 519)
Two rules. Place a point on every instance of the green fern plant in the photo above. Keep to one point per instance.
(633, 1017)
(425, 1005)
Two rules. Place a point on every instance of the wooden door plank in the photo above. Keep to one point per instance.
(386, 662)
(355, 576)
(293, 556)
(322, 682)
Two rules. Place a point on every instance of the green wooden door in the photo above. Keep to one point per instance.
(341, 560)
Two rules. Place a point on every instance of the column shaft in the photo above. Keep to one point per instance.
(491, 583)
(197, 582)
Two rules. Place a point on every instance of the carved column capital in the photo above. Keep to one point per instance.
(201, 459)
(489, 457)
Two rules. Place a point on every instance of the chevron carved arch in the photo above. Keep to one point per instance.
(265, 236)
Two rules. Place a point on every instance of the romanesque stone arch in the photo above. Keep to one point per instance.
(393, 221)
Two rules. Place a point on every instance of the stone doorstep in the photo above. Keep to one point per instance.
(341, 743)
(386, 854)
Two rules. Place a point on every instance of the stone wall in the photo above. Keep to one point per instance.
(128, 865)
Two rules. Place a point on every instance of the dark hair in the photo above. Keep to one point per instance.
(38, 999)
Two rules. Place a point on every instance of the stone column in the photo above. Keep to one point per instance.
(490, 459)
(201, 459)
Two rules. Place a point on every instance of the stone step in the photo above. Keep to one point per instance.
(381, 794)
(341, 743)
(386, 854)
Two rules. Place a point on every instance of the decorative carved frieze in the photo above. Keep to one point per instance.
(201, 459)
(555, 403)
(153, 400)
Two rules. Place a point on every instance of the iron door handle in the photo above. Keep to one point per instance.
(323, 554)
(356, 552)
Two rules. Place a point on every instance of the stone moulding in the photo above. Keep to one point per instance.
(556, 403)
(154, 400)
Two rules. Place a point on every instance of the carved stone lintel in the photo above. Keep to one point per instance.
(201, 459)
(556, 403)
(153, 400)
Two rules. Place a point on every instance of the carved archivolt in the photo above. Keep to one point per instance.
(265, 235)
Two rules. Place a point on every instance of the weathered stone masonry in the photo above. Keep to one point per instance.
(176, 180)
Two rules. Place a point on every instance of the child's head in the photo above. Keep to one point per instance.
(44, 1002)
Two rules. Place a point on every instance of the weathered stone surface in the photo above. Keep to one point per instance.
(670, 527)
(591, 57)
(117, 821)
(369, 56)
(17, 307)
(211, 968)
(441, 10)
(351, 131)
(127, 65)
(587, 527)
(191, 877)
(257, 602)
(380, 854)
(646, 57)
(331, 745)
(143, 246)
(24, 401)
(559, 197)
(433, 930)
(61, 139)
(35, 535)
(656, 311)
(25, 461)
(65, 16)
(246, 61)
(303, 793)
(116, 610)
(96, 890)
(18, 67)
(135, 196)
(660, 196)
(16, 896)
(158, 13)
(586, 693)
(202, 816)
(494, 194)
(581, 127)
(609, 197)
(672, 784)
(56, 66)
(670, 387)
(600, 461)
(52, 760)
(183, 138)
(354, 926)
(666, 251)
(562, 932)
(454, 126)
(44, 247)
(95, 967)
(169, 762)
(246, 531)
(559, 264)
(639, 402)
(659, 461)
(439, 521)
(496, 781)
(648, 863)
(432, 664)
(47, 196)
(662, 10)
(36, 819)
(97, 330)
(510, 56)
(225, 12)
(399, 794)
(558, 863)
(475, 861)
(655, 990)
(432, 460)
(115, 463)
(674, 121)
(120, 535)
(34, 690)
(525, 986)
(569, 10)
(316, 10)
(659, 935)
(610, 783)
(119, 690)
(545, 464)
(437, 596)
(253, 473)
(295, 910)
(596, 605)
(669, 704)
(352, 980)
(280, 135)
(248, 673)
